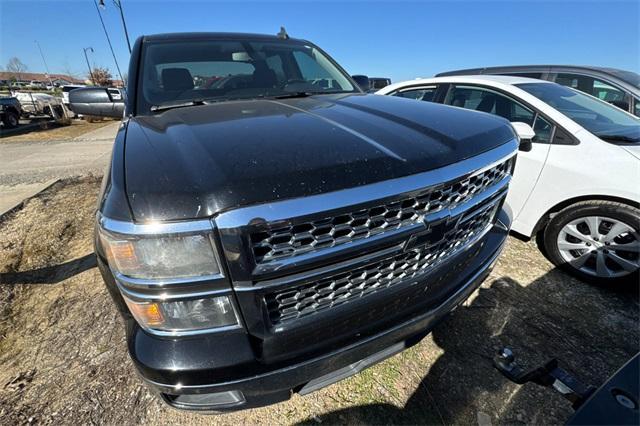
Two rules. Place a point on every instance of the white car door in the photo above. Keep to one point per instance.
(529, 165)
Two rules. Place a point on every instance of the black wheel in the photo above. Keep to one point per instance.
(597, 241)
(11, 119)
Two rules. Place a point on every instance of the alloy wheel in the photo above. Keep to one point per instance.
(600, 246)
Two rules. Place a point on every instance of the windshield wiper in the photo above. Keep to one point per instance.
(293, 95)
(193, 102)
(618, 138)
(304, 94)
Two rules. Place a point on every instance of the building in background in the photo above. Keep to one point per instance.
(56, 79)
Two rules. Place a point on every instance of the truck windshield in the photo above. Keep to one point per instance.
(600, 118)
(198, 71)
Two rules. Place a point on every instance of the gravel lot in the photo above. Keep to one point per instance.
(63, 357)
(77, 150)
(46, 130)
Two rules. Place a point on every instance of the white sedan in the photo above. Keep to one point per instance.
(577, 190)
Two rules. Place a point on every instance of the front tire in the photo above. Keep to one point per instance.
(11, 119)
(597, 241)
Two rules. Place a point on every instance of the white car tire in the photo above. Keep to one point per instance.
(597, 241)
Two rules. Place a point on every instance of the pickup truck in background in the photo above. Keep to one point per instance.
(10, 112)
(40, 104)
(281, 230)
(371, 84)
(377, 83)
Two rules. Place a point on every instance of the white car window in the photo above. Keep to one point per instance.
(418, 93)
(543, 129)
(600, 118)
(485, 100)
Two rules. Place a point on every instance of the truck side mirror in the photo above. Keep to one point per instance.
(363, 82)
(96, 101)
(526, 135)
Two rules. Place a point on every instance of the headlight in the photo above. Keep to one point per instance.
(184, 315)
(160, 256)
(169, 275)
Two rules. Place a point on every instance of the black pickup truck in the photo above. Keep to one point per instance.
(265, 227)
(10, 112)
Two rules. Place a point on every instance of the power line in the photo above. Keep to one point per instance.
(108, 40)
(118, 4)
(45, 63)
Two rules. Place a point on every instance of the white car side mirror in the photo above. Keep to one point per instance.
(525, 133)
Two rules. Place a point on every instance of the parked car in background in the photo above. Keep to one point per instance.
(578, 189)
(116, 94)
(10, 112)
(371, 84)
(34, 84)
(65, 95)
(275, 237)
(377, 83)
(66, 90)
(618, 87)
(18, 84)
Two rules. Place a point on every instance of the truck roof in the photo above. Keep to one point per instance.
(214, 35)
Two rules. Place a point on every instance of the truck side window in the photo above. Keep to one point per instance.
(420, 94)
(485, 100)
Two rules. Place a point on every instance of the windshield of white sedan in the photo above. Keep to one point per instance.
(600, 118)
(196, 72)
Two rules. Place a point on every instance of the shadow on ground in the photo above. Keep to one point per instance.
(590, 332)
(51, 274)
(35, 124)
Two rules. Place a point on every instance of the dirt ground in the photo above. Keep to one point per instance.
(63, 358)
(48, 131)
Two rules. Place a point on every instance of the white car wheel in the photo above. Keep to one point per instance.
(600, 246)
(598, 241)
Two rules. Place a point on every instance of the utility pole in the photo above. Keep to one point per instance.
(46, 68)
(108, 39)
(118, 4)
(88, 65)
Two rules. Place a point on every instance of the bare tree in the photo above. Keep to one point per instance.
(16, 67)
(102, 76)
(66, 70)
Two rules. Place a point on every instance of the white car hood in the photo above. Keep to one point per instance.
(632, 149)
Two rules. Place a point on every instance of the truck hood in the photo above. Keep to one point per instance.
(197, 161)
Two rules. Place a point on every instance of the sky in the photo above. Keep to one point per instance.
(401, 40)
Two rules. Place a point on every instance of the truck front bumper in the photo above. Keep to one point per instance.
(217, 373)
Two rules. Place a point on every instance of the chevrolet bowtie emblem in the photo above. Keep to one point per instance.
(437, 225)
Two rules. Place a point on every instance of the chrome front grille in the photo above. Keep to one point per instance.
(280, 242)
(334, 290)
(393, 248)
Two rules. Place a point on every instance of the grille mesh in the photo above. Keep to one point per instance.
(293, 240)
(332, 291)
